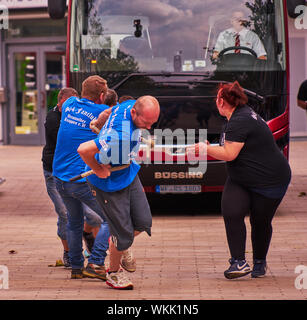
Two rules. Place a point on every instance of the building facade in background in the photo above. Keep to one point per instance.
(32, 64)
(298, 72)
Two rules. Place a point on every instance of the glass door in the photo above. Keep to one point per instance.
(55, 76)
(36, 76)
(24, 95)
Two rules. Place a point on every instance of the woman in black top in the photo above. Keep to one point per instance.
(258, 177)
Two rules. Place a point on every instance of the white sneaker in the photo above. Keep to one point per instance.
(118, 280)
(128, 262)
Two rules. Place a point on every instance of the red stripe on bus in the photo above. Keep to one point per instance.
(279, 122)
(280, 133)
(67, 44)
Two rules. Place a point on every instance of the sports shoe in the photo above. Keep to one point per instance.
(259, 268)
(86, 254)
(95, 271)
(237, 269)
(118, 280)
(66, 259)
(89, 240)
(2, 180)
(76, 274)
(127, 261)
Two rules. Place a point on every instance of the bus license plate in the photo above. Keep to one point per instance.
(178, 188)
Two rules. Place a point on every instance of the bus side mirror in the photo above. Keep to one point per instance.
(291, 5)
(56, 9)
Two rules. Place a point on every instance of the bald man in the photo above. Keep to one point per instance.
(120, 193)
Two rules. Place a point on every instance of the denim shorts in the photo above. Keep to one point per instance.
(126, 211)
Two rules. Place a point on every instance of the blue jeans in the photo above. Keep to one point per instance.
(91, 217)
(74, 195)
(59, 205)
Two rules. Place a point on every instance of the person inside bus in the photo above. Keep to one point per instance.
(239, 35)
(258, 178)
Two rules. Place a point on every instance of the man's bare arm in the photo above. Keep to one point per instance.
(101, 120)
(228, 152)
(302, 104)
(87, 152)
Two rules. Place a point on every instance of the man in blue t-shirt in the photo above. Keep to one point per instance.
(121, 194)
(74, 129)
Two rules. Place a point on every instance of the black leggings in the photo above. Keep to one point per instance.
(237, 202)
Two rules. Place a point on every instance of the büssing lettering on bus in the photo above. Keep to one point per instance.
(178, 175)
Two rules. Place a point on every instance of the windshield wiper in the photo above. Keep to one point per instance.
(190, 81)
(254, 95)
(167, 74)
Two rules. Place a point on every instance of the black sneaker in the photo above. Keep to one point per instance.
(76, 274)
(259, 269)
(237, 269)
(66, 259)
(89, 240)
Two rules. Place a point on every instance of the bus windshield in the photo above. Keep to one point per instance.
(176, 36)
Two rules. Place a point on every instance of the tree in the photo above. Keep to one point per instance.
(123, 63)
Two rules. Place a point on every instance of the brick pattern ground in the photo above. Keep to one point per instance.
(183, 260)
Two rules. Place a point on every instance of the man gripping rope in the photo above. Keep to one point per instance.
(74, 129)
(121, 194)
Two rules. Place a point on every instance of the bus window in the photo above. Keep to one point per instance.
(165, 39)
(261, 45)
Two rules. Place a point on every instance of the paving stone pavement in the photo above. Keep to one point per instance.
(183, 260)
